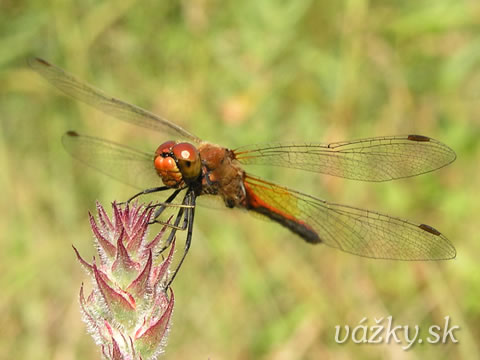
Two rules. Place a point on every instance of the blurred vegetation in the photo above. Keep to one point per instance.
(237, 73)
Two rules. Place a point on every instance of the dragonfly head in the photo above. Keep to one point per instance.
(177, 163)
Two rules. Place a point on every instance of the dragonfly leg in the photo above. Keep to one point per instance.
(188, 221)
(148, 191)
(167, 224)
(163, 206)
(175, 225)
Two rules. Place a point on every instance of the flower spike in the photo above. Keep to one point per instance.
(128, 312)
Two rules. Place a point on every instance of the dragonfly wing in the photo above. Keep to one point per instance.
(357, 231)
(374, 159)
(107, 104)
(130, 166)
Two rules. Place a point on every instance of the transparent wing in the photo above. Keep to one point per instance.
(130, 166)
(109, 105)
(373, 159)
(360, 232)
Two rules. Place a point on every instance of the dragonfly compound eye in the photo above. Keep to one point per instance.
(165, 148)
(168, 170)
(188, 160)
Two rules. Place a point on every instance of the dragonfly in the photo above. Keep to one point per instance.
(187, 165)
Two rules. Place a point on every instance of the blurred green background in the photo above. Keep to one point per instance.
(238, 73)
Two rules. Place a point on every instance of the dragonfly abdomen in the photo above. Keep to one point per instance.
(256, 204)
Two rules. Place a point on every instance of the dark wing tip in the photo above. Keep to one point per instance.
(69, 138)
(429, 229)
(420, 138)
(451, 253)
(36, 61)
(72, 133)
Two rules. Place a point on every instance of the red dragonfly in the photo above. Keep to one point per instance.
(194, 167)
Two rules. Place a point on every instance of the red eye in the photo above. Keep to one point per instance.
(166, 147)
(185, 151)
(166, 164)
(188, 161)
